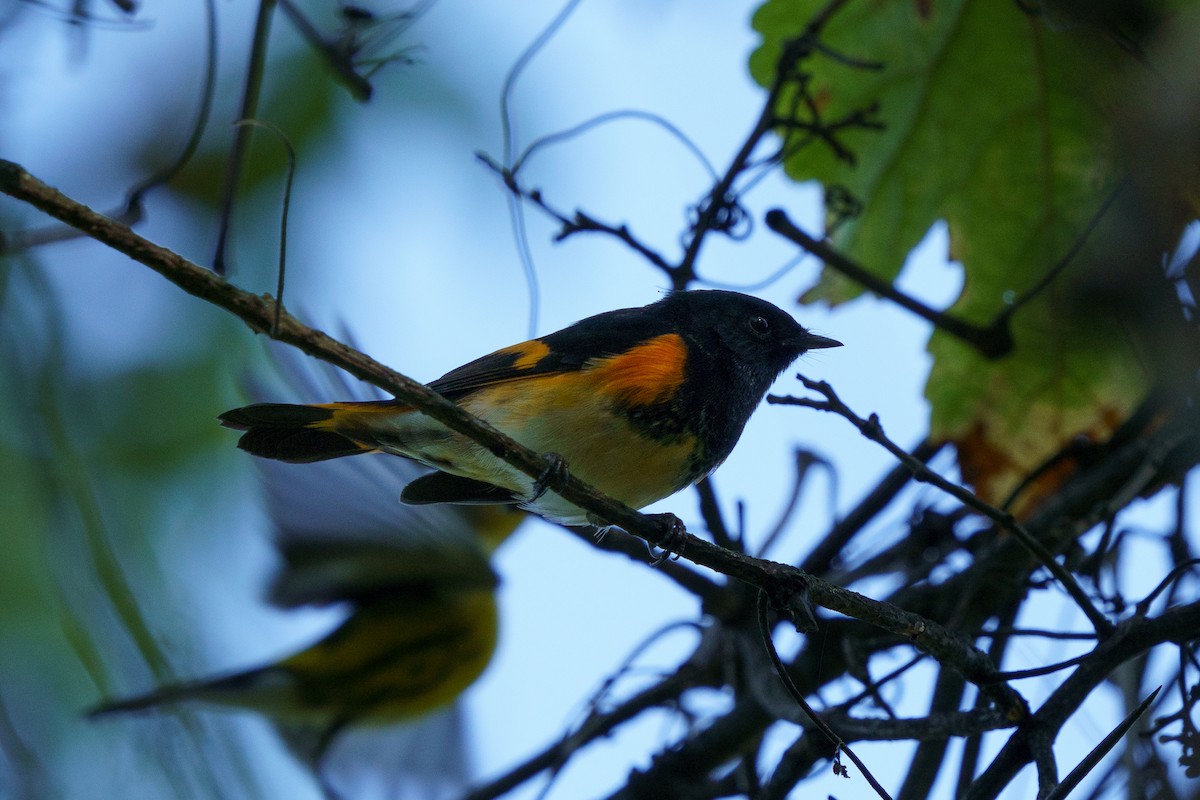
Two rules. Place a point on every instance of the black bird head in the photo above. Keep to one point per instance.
(762, 338)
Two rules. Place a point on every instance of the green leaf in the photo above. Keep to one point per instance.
(987, 127)
(1001, 127)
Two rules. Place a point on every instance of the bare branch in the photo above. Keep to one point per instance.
(872, 429)
(1106, 744)
(993, 341)
(597, 725)
(1130, 639)
(798, 696)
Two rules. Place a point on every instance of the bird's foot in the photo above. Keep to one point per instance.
(552, 477)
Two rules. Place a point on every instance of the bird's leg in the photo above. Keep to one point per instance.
(673, 540)
(552, 477)
(670, 544)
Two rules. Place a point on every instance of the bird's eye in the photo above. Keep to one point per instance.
(760, 326)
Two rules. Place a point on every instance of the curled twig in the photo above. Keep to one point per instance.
(839, 746)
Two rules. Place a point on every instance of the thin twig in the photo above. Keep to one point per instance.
(133, 210)
(1132, 638)
(572, 744)
(804, 461)
(358, 86)
(283, 216)
(713, 595)
(133, 204)
(508, 147)
(873, 430)
(604, 119)
(1067, 258)
(514, 74)
(722, 194)
(710, 511)
(719, 210)
(1005, 631)
(597, 725)
(823, 555)
(1037, 672)
(1098, 752)
(577, 223)
(1143, 607)
(992, 341)
(764, 627)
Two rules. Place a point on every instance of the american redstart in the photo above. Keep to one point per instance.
(639, 402)
(415, 581)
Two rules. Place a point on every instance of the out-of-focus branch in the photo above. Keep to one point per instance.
(241, 136)
(1097, 754)
(823, 555)
(810, 713)
(134, 208)
(579, 222)
(335, 57)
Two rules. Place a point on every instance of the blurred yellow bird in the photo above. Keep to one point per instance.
(410, 651)
(422, 622)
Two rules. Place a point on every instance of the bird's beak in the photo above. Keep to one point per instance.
(811, 341)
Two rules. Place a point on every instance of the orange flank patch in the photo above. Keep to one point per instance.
(528, 353)
(646, 374)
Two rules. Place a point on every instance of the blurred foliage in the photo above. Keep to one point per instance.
(297, 97)
(92, 462)
(22, 508)
(177, 427)
(985, 127)
(1002, 123)
(102, 464)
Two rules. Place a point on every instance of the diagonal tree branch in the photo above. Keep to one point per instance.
(791, 590)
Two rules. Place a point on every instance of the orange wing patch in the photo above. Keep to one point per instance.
(646, 374)
(528, 353)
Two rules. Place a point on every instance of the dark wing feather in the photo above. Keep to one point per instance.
(442, 487)
(567, 350)
(339, 529)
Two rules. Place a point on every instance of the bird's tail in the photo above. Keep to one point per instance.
(300, 434)
(266, 688)
(141, 702)
(164, 696)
